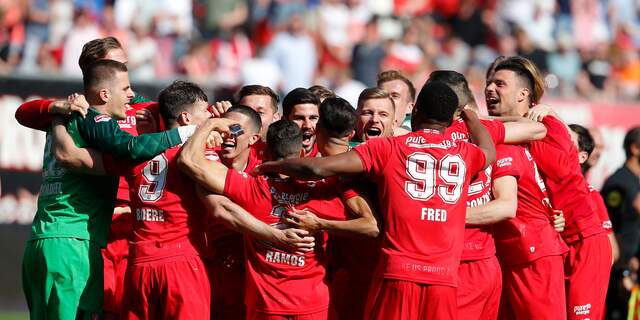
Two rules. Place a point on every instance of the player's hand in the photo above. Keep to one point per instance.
(297, 241)
(221, 125)
(558, 220)
(74, 103)
(303, 219)
(218, 108)
(214, 140)
(540, 111)
(468, 114)
(145, 122)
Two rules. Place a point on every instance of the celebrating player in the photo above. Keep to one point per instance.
(279, 284)
(403, 94)
(301, 106)
(421, 180)
(73, 217)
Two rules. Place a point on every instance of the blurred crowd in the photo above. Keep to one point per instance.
(587, 48)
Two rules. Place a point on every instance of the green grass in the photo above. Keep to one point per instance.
(13, 315)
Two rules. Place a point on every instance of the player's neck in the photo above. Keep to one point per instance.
(238, 163)
(634, 165)
(98, 105)
(431, 126)
(335, 146)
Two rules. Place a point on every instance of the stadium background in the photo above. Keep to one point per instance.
(587, 49)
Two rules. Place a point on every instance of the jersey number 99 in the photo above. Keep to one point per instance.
(422, 169)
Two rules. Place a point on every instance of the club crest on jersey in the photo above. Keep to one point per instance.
(102, 118)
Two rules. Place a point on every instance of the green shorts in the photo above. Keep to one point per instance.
(62, 278)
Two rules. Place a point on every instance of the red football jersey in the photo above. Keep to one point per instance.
(557, 158)
(601, 208)
(422, 180)
(216, 228)
(279, 282)
(166, 208)
(478, 240)
(529, 235)
(259, 151)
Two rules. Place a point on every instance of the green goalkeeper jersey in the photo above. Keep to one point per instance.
(79, 205)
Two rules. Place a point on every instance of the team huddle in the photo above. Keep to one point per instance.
(410, 205)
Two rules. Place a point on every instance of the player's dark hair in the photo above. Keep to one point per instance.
(284, 139)
(337, 117)
(436, 103)
(254, 117)
(95, 50)
(455, 81)
(585, 139)
(631, 138)
(322, 92)
(585, 143)
(177, 97)
(492, 67)
(390, 75)
(100, 72)
(298, 96)
(258, 90)
(528, 74)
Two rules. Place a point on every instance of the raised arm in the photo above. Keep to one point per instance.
(69, 155)
(314, 168)
(364, 223)
(504, 205)
(479, 134)
(38, 114)
(211, 175)
(238, 219)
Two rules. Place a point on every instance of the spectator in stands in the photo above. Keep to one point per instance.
(368, 55)
(294, 52)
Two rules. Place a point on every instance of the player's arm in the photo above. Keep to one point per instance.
(523, 130)
(504, 205)
(69, 155)
(615, 248)
(38, 114)
(479, 134)
(238, 219)
(314, 168)
(107, 137)
(364, 222)
(209, 174)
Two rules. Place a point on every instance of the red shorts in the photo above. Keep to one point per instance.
(115, 261)
(176, 288)
(534, 290)
(479, 288)
(226, 271)
(252, 314)
(587, 270)
(397, 299)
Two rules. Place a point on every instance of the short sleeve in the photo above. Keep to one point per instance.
(244, 189)
(473, 157)
(374, 154)
(558, 143)
(496, 130)
(506, 163)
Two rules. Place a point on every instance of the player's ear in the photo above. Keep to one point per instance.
(254, 138)
(104, 95)
(183, 118)
(583, 157)
(523, 94)
(277, 116)
(353, 133)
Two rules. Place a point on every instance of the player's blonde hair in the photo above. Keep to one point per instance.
(374, 93)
